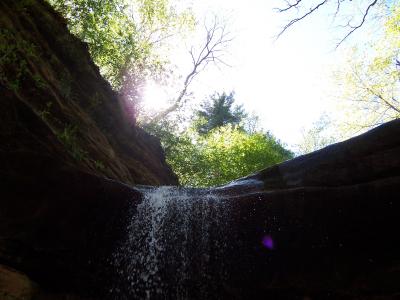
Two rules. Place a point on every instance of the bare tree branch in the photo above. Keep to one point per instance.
(217, 38)
(338, 2)
(289, 6)
(293, 21)
(386, 102)
(296, 5)
(354, 28)
(380, 98)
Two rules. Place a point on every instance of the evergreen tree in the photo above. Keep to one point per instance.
(217, 111)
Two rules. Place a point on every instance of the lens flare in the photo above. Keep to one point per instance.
(155, 97)
(268, 242)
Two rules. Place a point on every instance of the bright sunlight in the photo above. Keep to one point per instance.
(155, 97)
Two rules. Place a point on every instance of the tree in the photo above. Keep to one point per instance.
(216, 40)
(370, 80)
(124, 36)
(317, 137)
(219, 145)
(304, 8)
(218, 111)
(224, 154)
(129, 41)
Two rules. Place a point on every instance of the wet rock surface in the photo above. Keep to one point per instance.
(66, 143)
(282, 233)
(321, 226)
(324, 224)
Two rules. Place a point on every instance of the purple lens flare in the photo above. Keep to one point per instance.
(268, 242)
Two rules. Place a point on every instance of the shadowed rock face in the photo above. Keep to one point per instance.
(365, 158)
(321, 226)
(65, 142)
(55, 105)
(333, 218)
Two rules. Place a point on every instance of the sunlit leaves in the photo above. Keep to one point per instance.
(225, 154)
(217, 111)
(124, 37)
(317, 137)
(369, 80)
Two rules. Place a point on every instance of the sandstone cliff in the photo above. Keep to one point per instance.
(63, 132)
(321, 226)
(56, 108)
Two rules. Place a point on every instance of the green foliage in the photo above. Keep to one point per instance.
(126, 40)
(167, 132)
(218, 111)
(225, 154)
(14, 53)
(123, 35)
(370, 82)
(106, 29)
(99, 165)
(317, 137)
(69, 137)
(40, 82)
(45, 114)
(218, 149)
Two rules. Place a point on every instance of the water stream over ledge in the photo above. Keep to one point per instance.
(176, 244)
(242, 241)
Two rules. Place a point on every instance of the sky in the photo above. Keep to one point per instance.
(286, 82)
(282, 80)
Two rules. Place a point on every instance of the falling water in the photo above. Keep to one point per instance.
(175, 247)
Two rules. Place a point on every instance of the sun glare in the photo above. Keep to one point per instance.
(155, 97)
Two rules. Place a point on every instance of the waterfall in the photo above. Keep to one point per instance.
(175, 246)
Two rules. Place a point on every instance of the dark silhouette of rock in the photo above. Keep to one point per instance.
(55, 104)
(65, 142)
(332, 217)
(320, 226)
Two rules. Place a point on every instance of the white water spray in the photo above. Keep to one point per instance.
(176, 244)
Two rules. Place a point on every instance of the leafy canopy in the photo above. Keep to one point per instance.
(224, 154)
(370, 80)
(368, 92)
(218, 111)
(125, 37)
(317, 137)
(219, 149)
